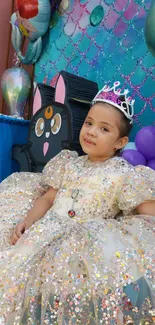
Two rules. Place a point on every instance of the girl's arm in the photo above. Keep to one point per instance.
(39, 209)
(147, 208)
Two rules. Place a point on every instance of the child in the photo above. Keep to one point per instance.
(74, 259)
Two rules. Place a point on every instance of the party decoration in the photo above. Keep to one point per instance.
(96, 16)
(83, 1)
(151, 164)
(58, 115)
(54, 20)
(54, 5)
(115, 49)
(43, 94)
(142, 152)
(16, 86)
(63, 7)
(145, 142)
(130, 145)
(31, 21)
(134, 157)
(150, 29)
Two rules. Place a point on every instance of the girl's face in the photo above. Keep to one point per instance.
(100, 133)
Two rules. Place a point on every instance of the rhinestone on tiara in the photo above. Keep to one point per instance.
(111, 96)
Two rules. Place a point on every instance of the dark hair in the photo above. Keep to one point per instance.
(126, 125)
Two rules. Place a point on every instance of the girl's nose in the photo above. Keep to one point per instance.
(92, 131)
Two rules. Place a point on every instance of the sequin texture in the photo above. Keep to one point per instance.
(95, 268)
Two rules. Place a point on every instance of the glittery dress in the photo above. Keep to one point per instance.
(95, 268)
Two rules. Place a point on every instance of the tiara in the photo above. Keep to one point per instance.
(112, 96)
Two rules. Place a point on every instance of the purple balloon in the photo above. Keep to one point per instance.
(145, 142)
(151, 164)
(134, 157)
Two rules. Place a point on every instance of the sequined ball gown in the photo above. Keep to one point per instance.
(89, 260)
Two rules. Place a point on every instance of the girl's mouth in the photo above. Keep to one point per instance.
(89, 142)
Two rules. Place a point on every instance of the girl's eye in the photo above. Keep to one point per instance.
(104, 129)
(88, 123)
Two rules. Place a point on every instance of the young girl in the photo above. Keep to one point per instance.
(84, 253)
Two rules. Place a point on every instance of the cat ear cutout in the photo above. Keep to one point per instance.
(60, 91)
(37, 101)
(43, 95)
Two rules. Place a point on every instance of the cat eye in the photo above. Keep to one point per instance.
(56, 124)
(48, 112)
(39, 127)
(52, 122)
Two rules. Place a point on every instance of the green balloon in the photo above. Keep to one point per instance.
(96, 16)
(150, 29)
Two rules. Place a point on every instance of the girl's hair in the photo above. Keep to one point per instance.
(125, 125)
(28, 8)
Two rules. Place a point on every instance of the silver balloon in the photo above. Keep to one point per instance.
(16, 86)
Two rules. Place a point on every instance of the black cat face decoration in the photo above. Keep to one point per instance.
(50, 125)
(58, 115)
(49, 128)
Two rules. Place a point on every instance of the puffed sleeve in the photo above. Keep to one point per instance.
(53, 172)
(136, 187)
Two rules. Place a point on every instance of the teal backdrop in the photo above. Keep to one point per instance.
(103, 40)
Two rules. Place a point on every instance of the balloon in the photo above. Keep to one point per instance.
(32, 21)
(16, 86)
(150, 28)
(63, 7)
(130, 145)
(151, 164)
(134, 157)
(55, 4)
(145, 142)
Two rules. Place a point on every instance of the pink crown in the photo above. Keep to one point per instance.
(111, 96)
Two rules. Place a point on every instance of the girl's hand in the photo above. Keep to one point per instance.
(18, 231)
